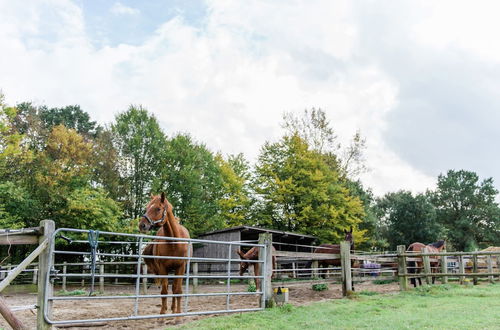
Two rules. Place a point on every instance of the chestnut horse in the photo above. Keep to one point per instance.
(332, 249)
(159, 213)
(253, 254)
(415, 266)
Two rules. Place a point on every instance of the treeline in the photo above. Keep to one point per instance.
(56, 163)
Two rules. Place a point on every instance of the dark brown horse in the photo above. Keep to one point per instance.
(253, 254)
(415, 266)
(159, 213)
(332, 249)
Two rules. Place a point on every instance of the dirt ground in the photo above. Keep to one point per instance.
(299, 294)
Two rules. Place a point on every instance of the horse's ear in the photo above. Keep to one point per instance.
(345, 232)
(162, 197)
(240, 253)
(351, 230)
(152, 195)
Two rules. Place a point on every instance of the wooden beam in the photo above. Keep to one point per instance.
(18, 239)
(313, 256)
(44, 264)
(7, 314)
(22, 266)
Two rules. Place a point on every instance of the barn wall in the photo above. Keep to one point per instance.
(218, 251)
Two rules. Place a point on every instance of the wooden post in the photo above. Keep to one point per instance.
(117, 271)
(345, 261)
(266, 286)
(35, 275)
(44, 265)
(65, 270)
(461, 268)
(474, 268)
(7, 314)
(444, 268)
(294, 273)
(490, 269)
(427, 267)
(101, 278)
(194, 266)
(315, 265)
(145, 279)
(83, 277)
(403, 280)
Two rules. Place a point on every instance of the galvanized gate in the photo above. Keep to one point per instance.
(131, 302)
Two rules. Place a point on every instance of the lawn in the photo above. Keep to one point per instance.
(427, 307)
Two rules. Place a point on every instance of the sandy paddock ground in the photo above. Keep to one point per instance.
(299, 294)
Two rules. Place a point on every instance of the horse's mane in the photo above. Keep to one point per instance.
(438, 244)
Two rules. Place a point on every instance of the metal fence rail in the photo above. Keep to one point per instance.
(138, 242)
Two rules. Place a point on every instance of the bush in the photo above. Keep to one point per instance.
(251, 287)
(320, 287)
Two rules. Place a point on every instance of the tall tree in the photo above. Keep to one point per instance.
(71, 116)
(407, 219)
(314, 127)
(192, 178)
(140, 144)
(468, 209)
(296, 190)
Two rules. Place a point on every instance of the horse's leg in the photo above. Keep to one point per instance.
(177, 289)
(164, 290)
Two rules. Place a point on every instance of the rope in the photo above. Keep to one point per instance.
(93, 242)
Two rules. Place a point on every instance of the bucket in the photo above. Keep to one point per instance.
(281, 295)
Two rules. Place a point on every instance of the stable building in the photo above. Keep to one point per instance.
(282, 241)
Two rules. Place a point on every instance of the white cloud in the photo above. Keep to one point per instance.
(228, 82)
(119, 8)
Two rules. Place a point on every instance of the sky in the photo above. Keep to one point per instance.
(418, 79)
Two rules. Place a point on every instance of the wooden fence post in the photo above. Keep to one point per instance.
(444, 268)
(315, 265)
(266, 285)
(403, 280)
(490, 269)
(35, 275)
(117, 271)
(65, 270)
(101, 278)
(294, 273)
(194, 266)
(461, 269)
(474, 268)
(345, 261)
(145, 279)
(427, 267)
(44, 265)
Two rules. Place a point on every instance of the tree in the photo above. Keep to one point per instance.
(468, 210)
(71, 116)
(235, 201)
(140, 144)
(106, 171)
(314, 128)
(408, 219)
(297, 191)
(192, 179)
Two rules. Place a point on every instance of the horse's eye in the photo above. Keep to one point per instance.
(158, 209)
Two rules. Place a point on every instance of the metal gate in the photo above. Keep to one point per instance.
(120, 258)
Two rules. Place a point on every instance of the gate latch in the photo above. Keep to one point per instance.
(53, 274)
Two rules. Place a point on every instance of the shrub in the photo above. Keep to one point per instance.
(320, 287)
(251, 287)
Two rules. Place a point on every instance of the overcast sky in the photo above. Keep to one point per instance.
(419, 79)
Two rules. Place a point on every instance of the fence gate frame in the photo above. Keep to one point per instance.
(47, 272)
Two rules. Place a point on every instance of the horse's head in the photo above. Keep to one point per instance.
(243, 265)
(156, 213)
(440, 245)
(348, 236)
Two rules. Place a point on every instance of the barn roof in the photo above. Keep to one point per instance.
(260, 230)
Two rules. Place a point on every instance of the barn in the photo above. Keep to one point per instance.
(282, 241)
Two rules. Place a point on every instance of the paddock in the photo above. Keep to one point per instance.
(88, 278)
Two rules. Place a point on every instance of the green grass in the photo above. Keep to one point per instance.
(72, 293)
(436, 307)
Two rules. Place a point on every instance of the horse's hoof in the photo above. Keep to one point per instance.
(177, 320)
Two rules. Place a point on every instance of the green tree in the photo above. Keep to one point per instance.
(468, 210)
(106, 170)
(296, 190)
(140, 144)
(71, 116)
(235, 201)
(314, 127)
(192, 179)
(408, 219)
